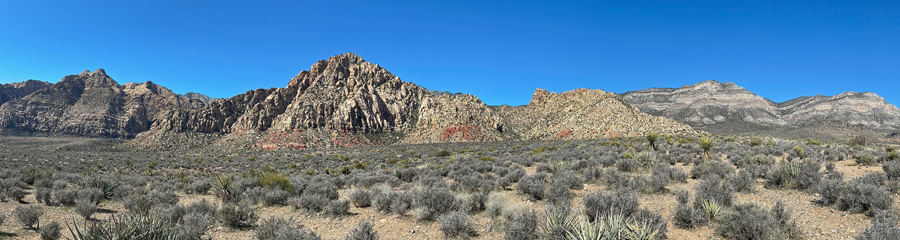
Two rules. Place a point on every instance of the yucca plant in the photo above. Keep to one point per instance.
(711, 208)
(225, 187)
(651, 139)
(131, 226)
(558, 222)
(642, 230)
(108, 189)
(706, 144)
(586, 231)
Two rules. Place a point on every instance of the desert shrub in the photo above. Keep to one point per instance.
(2, 219)
(627, 165)
(42, 195)
(865, 159)
(558, 193)
(569, 179)
(617, 180)
(456, 224)
(742, 181)
(652, 184)
(29, 216)
(533, 185)
(861, 197)
(402, 202)
(199, 187)
(750, 221)
(714, 190)
(558, 221)
(647, 159)
(276, 228)
(688, 217)
(16, 194)
(338, 208)
(65, 197)
(433, 202)
(50, 231)
(674, 174)
(360, 197)
(712, 168)
(85, 207)
(884, 226)
(363, 231)
(830, 191)
(92, 194)
(170, 213)
(471, 203)
(601, 204)
(236, 215)
(891, 169)
(274, 196)
(801, 174)
(521, 225)
(382, 198)
(495, 204)
(194, 224)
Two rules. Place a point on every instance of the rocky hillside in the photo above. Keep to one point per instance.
(727, 108)
(345, 101)
(91, 104)
(12, 91)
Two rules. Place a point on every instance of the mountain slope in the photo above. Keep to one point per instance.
(727, 108)
(92, 104)
(12, 91)
(345, 101)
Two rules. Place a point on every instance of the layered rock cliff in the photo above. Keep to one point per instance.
(727, 108)
(92, 104)
(345, 101)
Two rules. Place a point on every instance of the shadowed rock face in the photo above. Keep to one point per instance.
(345, 101)
(11, 91)
(92, 104)
(727, 108)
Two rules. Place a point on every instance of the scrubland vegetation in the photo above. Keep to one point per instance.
(590, 189)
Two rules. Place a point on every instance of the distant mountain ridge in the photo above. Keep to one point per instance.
(345, 101)
(89, 104)
(727, 108)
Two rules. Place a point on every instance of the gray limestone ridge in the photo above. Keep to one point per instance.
(727, 108)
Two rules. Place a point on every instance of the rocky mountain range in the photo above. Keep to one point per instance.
(345, 101)
(726, 108)
(88, 104)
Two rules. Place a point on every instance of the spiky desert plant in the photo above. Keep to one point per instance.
(651, 139)
(706, 144)
(225, 187)
(558, 221)
(711, 208)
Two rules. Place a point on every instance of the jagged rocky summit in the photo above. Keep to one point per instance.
(728, 109)
(345, 101)
(89, 104)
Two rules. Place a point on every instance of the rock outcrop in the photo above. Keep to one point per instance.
(12, 91)
(345, 101)
(92, 104)
(727, 108)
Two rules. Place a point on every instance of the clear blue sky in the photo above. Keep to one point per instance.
(499, 51)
